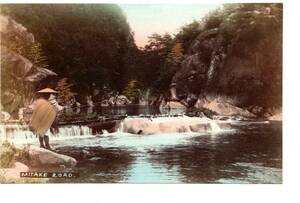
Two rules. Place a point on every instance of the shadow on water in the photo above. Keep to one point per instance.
(97, 165)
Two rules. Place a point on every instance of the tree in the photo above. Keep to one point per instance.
(37, 56)
(131, 91)
(171, 65)
(187, 34)
(175, 55)
(87, 43)
(159, 42)
(151, 59)
(64, 91)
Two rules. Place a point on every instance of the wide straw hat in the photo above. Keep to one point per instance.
(47, 90)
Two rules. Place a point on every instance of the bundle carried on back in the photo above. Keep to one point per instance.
(44, 114)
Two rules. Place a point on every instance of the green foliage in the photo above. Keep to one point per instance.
(65, 93)
(87, 43)
(9, 154)
(93, 44)
(131, 91)
(37, 56)
(187, 34)
(172, 63)
(159, 42)
(175, 56)
(233, 47)
(151, 61)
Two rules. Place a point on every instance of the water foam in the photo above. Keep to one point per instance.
(20, 134)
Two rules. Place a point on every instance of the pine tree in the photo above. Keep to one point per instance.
(131, 91)
(175, 55)
(64, 91)
(36, 55)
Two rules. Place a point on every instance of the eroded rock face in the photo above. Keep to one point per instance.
(18, 74)
(10, 27)
(43, 157)
(235, 65)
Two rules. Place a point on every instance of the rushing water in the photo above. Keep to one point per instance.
(249, 152)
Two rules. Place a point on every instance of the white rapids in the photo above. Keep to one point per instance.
(20, 134)
(159, 125)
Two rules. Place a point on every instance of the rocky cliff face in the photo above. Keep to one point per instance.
(18, 74)
(238, 55)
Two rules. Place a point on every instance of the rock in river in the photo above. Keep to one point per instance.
(43, 157)
(148, 126)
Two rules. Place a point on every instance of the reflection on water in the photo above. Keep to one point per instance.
(249, 153)
(143, 171)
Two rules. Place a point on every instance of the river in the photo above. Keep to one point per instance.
(248, 152)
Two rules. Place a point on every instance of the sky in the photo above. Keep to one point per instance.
(146, 19)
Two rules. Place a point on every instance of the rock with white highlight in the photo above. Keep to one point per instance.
(148, 126)
(43, 157)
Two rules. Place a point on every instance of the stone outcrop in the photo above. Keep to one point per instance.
(222, 107)
(43, 157)
(19, 75)
(246, 64)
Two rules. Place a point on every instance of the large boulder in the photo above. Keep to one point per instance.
(10, 27)
(148, 126)
(43, 157)
(122, 100)
(172, 107)
(223, 107)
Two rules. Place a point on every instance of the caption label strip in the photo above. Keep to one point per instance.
(49, 175)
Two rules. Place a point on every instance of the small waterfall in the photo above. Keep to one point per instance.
(23, 134)
(121, 127)
(104, 132)
(67, 131)
(14, 131)
(214, 126)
